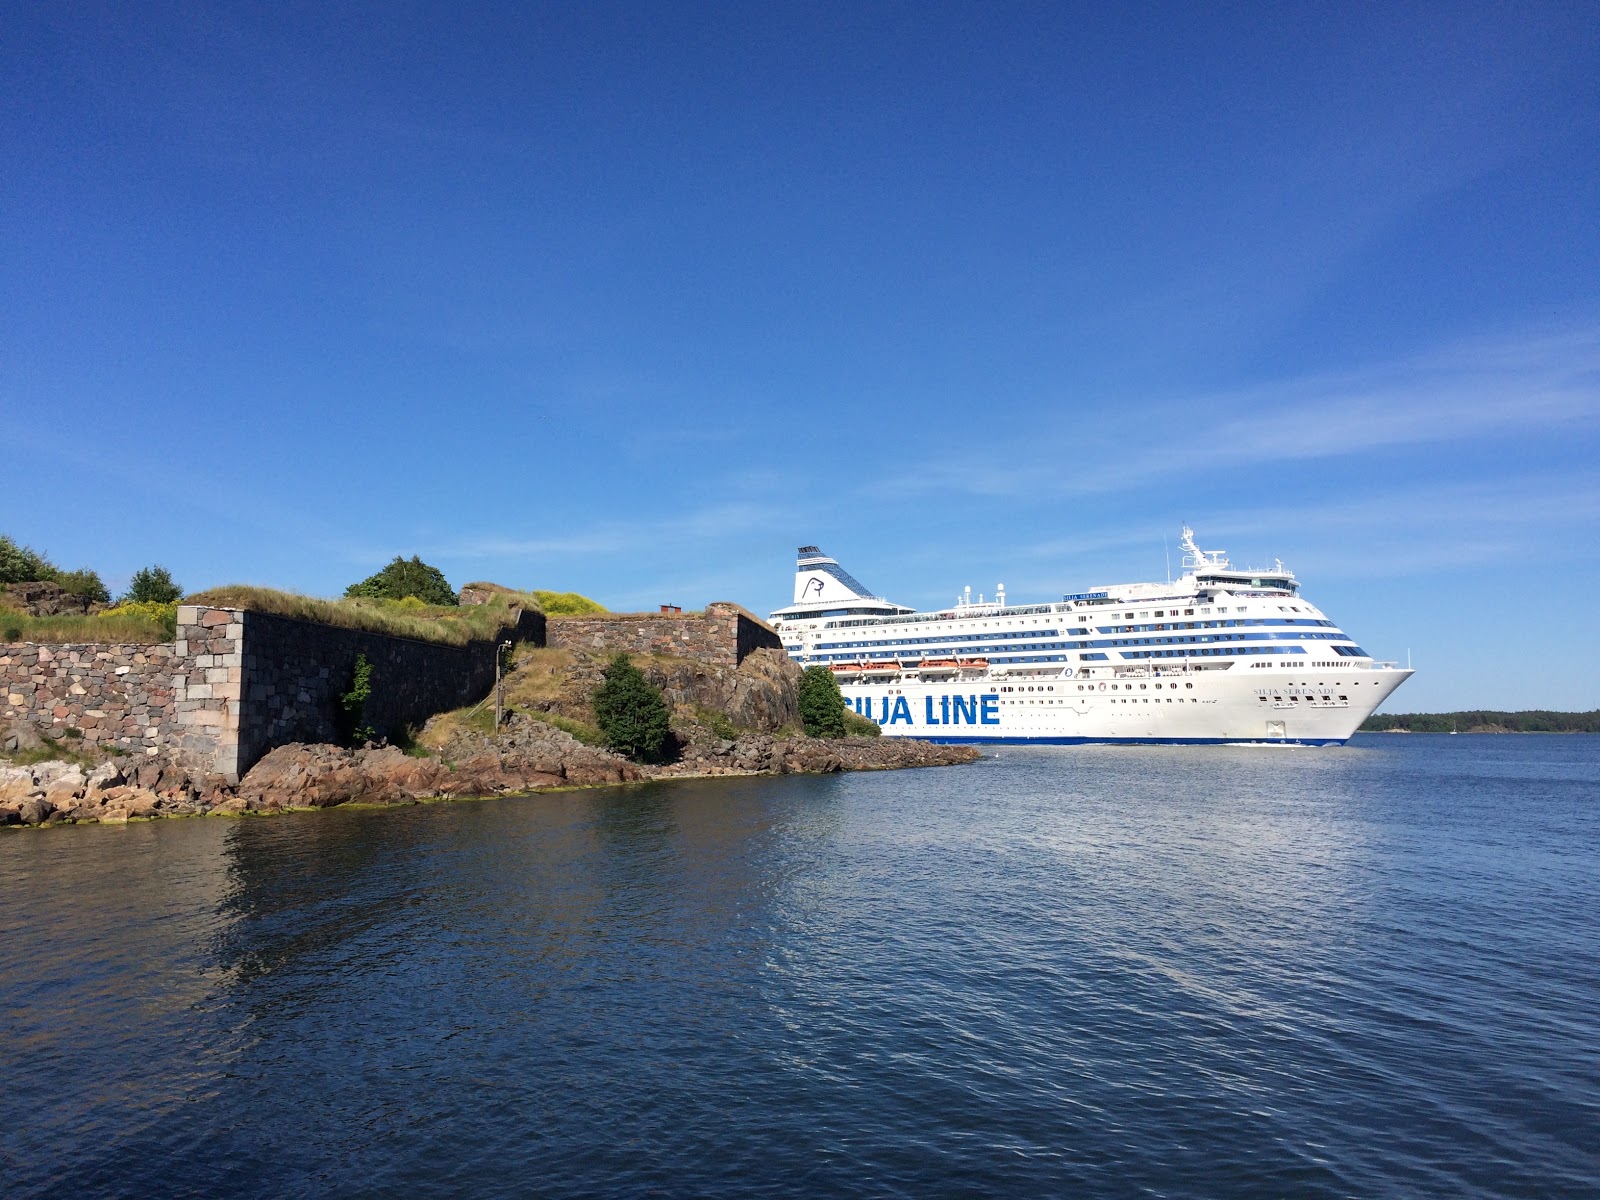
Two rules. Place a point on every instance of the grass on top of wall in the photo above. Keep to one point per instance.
(408, 618)
(113, 628)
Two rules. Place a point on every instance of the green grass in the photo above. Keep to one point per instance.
(718, 723)
(408, 618)
(589, 735)
(121, 628)
(68, 748)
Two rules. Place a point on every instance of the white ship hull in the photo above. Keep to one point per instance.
(1186, 709)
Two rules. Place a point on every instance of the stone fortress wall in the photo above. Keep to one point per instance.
(724, 634)
(295, 672)
(179, 696)
(234, 684)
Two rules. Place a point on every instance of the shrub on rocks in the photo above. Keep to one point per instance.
(23, 564)
(631, 713)
(821, 704)
(855, 725)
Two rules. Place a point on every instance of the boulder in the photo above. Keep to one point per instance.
(17, 783)
(20, 736)
(393, 772)
(305, 776)
(106, 775)
(63, 788)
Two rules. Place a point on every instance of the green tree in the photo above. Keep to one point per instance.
(821, 704)
(152, 585)
(401, 579)
(631, 713)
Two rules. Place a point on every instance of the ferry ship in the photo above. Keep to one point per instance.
(1222, 655)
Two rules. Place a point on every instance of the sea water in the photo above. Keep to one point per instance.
(1085, 971)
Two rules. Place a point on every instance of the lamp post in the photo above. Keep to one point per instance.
(499, 686)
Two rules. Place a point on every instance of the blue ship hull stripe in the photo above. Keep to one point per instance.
(1142, 741)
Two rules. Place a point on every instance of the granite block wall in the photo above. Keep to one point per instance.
(120, 695)
(234, 684)
(723, 634)
(295, 672)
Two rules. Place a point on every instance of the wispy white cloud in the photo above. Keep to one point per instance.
(1474, 391)
(664, 530)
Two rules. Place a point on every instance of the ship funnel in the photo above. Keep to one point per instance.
(820, 579)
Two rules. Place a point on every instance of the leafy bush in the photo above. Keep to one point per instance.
(566, 604)
(858, 726)
(84, 583)
(401, 579)
(351, 719)
(718, 723)
(152, 585)
(821, 704)
(631, 713)
(22, 564)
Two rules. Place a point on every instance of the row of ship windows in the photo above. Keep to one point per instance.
(1134, 655)
(1127, 616)
(948, 639)
(1189, 612)
(1230, 651)
(1211, 637)
(951, 648)
(964, 638)
(1113, 642)
(1211, 624)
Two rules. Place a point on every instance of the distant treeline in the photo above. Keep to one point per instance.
(1481, 720)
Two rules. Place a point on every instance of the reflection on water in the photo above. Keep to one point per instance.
(1103, 970)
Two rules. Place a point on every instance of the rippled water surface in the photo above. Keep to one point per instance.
(1066, 971)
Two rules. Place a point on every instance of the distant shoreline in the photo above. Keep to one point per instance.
(1484, 721)
(1448, 732)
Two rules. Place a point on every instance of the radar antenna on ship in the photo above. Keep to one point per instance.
(1195, 558)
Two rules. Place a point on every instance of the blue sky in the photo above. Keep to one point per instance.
(635, 298)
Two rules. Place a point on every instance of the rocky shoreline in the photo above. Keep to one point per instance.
(528, 756)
